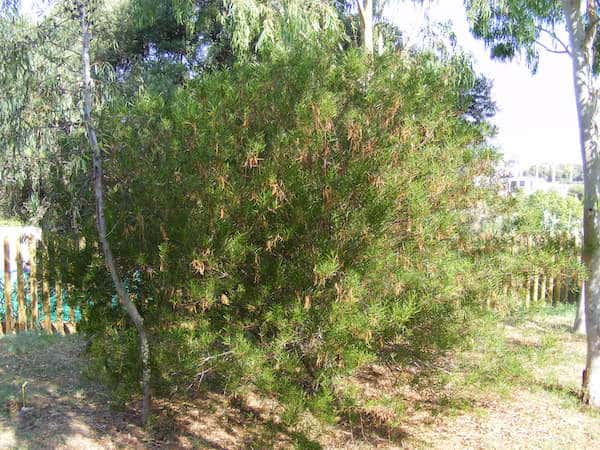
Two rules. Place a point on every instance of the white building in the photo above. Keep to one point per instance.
(530, 184)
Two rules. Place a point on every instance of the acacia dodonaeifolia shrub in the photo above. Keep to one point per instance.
(291, 220)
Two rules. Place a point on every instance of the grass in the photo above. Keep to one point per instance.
(513, 380)
(526, 350)
(10, 222)
(534, 351)
(23, 342)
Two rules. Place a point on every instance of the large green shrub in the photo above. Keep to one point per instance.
(282, 223)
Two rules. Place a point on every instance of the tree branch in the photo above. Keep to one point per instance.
(361, 8)
(555, 37)
(551, 50)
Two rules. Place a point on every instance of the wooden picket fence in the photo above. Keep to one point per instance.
(532, 289)
(32, 311)
(538, 286)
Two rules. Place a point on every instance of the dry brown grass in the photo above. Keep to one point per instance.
(513, 385)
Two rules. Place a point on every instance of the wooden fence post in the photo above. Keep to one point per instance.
(60, 327)
(71, 327)
(558, 290)
(7, 288)
(513, 293)
(47, 321)
(1, 330)
(33, 285)
(21, 311)
(543, 292)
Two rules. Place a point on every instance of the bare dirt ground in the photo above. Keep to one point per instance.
(514, 386)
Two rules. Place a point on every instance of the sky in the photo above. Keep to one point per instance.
(537, 119)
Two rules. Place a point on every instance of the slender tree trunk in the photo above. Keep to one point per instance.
(565, 291)
(365, 12)
(581, 37)
(71, 304)
(579, 325)
(513, 289)
(97, 175)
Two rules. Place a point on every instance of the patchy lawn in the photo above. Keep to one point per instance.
(511, 385)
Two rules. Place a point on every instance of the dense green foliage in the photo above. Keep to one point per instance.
(292, 216)
(282, 209)
(37, 105)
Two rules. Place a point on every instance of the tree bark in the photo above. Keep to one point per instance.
(97, 175)
(365, 12)
(71, 304)
(543, 289)
(581, 36)
(579, 324)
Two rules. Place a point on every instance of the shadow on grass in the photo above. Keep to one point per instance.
(564, 391)
(214, 421)
(555, 327)
(418, 386)
(65, 410)
(44, 401)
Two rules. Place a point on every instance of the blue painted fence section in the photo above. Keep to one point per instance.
(65, 298)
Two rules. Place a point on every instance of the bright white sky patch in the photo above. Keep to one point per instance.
(537, 119)
(34, 9)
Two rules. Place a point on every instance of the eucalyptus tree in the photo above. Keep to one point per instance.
(63, 42)
(366, 25)
(365, 10)
(209, 34)
(32, 79)
(271, 26)
(514, 27)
